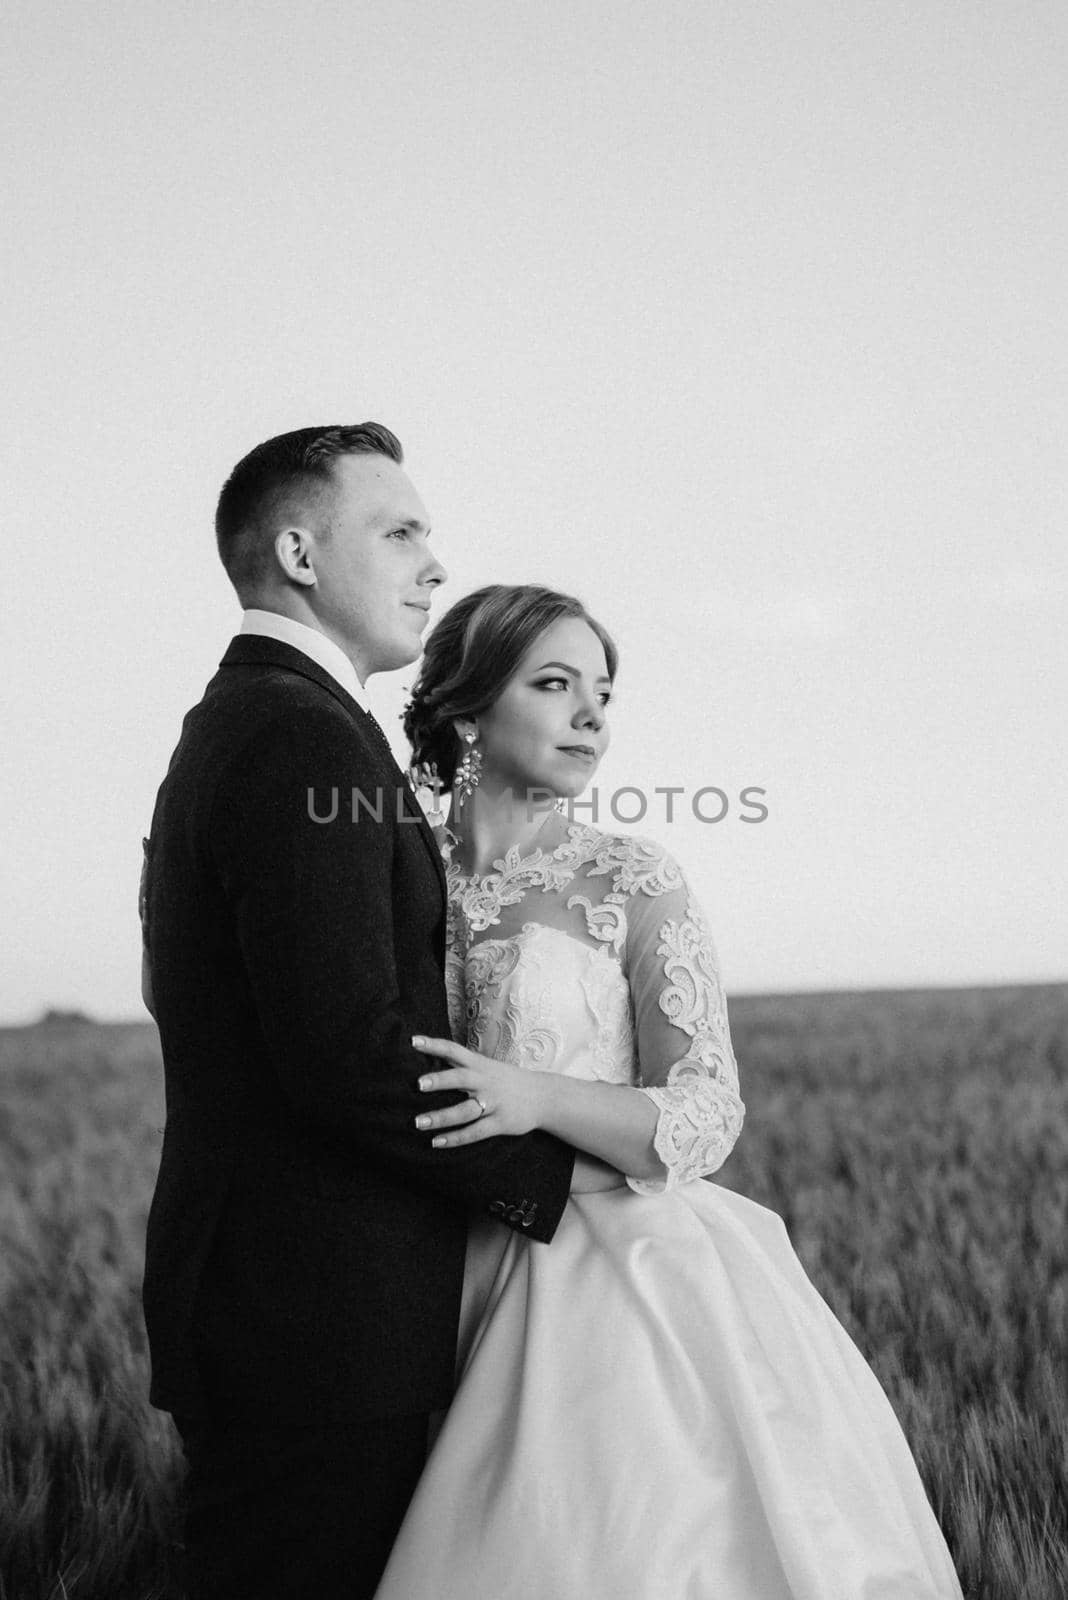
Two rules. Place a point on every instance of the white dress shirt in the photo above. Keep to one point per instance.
(328, 655)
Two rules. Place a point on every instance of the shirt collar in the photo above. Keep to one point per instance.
(329, 656)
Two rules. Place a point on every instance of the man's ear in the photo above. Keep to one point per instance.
(293, 550)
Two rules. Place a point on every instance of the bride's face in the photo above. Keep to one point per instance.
(547, 728)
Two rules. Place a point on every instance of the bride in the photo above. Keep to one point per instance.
(658, 1405)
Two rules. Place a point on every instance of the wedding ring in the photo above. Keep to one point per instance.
(480, 1103)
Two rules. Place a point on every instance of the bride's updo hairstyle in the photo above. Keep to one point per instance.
(469, 658)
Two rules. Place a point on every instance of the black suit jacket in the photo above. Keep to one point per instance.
(305, 1243)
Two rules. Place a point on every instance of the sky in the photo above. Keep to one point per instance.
(744, 322)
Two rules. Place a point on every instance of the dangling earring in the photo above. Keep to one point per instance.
(468, 772)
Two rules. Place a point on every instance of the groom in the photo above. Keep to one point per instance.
(305, 1244)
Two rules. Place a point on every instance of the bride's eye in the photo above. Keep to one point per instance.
(399, 533)
(547, 683)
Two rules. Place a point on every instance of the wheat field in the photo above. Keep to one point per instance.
(916, 1145)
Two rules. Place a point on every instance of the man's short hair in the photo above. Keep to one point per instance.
(297, 466)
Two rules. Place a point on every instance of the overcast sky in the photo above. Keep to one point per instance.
(745, 322)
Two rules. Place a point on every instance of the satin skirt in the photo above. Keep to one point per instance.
(660, 1406)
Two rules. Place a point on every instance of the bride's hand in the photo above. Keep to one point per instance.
(501, 1098)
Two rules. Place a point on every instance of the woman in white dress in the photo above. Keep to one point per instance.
(658, 1405)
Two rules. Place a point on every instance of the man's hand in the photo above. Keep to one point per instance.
(501, 1098)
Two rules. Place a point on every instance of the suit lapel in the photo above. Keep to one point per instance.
(254, 649)
(410, 803)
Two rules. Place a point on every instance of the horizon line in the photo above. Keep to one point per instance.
(75, 1016)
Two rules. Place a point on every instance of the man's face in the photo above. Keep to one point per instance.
(374, 573)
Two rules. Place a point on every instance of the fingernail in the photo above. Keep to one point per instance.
(439, 1142)
(418, 1040)
(426, 1083)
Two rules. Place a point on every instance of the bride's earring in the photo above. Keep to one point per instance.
(469, 771)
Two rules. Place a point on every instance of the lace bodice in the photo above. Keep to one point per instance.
(594, 959)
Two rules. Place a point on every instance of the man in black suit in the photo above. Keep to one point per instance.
(305, 1244)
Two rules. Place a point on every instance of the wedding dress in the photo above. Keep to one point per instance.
(658, 1405)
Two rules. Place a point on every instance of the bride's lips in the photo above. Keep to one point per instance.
(583, 752)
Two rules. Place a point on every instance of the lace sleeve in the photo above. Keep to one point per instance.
(685, 1057)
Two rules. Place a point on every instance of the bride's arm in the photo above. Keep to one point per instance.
(590, 1176)
(682, 1121)
(688, 1070)
(611, 1121)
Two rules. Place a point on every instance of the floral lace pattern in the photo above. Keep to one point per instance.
(524, 1028)
(698, 1125)
(611, 974)
(607, 994)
